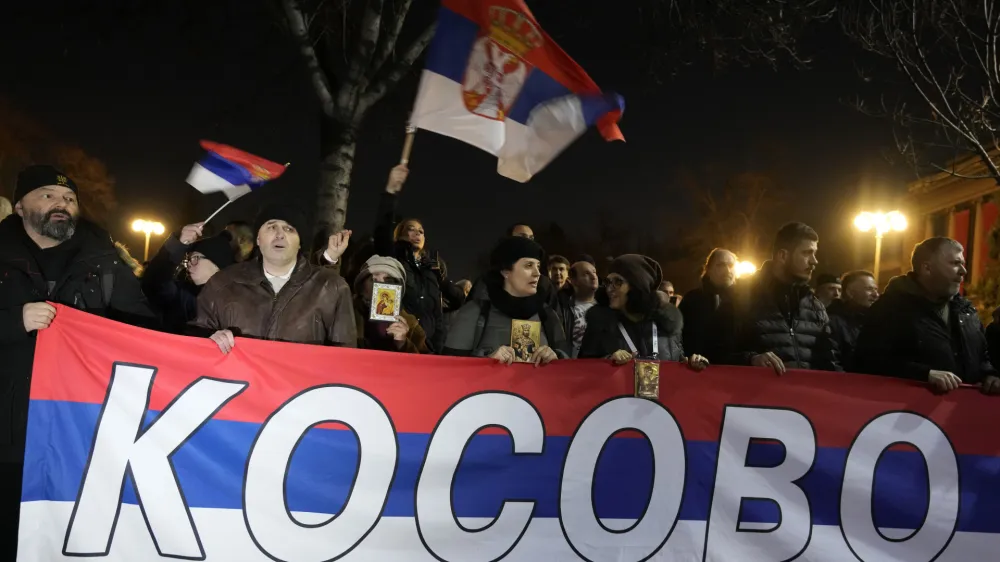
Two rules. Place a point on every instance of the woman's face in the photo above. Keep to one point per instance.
(617, 288)
(522, 279)
(369, 285)
(413, 232)
(200, 268)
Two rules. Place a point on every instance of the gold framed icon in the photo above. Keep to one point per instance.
(647, 380)
(525, 339)
(386, 302)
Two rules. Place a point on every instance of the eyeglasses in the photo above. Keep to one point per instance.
(192, 260)
(615, 282)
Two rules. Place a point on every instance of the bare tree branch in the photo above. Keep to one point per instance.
(390, 79)
(300, 33)
(387, 43)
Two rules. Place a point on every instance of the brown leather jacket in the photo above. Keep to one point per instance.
(313, 307)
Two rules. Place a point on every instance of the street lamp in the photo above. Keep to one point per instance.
(881, 223)
(745, 268)
(150, 228)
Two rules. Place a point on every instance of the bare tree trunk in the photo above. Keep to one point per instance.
(338, 144)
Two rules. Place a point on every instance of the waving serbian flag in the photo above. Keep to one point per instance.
(495, 80)
(231, 171)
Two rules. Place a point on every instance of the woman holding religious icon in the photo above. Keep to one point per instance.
(426, 276)
(405, 334)
(635, 317)
(515, 323)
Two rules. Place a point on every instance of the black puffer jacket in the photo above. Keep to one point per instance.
(603, 337)
(700, 308)
(845, 326)
(905, 336)
(425, 286)
(94, 280)
(788, 320)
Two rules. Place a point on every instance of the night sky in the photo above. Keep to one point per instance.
(138, 84)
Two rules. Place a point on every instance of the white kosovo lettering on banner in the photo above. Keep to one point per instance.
(585, 533)
(439, 529)
(273, 529)
(736, 482)
(121, 444)
(857, 519)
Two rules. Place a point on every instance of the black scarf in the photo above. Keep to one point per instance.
(518, 308)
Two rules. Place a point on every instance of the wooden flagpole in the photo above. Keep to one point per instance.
(411, 132)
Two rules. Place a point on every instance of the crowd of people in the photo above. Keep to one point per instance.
(256, 281)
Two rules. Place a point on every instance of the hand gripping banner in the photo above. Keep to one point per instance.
(147, 446)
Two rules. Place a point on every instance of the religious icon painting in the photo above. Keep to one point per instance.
(386, 301)
(525, 339)
(647, 380)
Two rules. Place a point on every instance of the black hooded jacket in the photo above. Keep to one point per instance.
(426, 282)
(787, 320)
(700, 308)
(92, 278)
(905, 335)
(603, 337)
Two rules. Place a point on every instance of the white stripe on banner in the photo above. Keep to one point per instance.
(224, 536)
(523, 150)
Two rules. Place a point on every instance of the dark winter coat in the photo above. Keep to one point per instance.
(787, 320)
(95, 280)
(993, 342)
(426, 285)
(175, 300)
(603, 337)
(313, 307)
(846, 320)
(700, 308)
(905, 336)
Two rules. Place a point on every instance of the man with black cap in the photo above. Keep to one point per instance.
(48, 253)
(176, 299)
(280, 296)
(828, 289)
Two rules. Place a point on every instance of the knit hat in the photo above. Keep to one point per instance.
(33, 177)
(217, 249)
(292, 215)
(827, 278)
(380, 264)
(512, 248)
(642, 273)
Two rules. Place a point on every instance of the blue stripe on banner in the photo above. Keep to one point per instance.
(232, 173)
(322, 471)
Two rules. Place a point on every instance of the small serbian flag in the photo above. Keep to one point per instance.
(495, 80)
(231, 171)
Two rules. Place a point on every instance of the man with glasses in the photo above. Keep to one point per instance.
(174, 294)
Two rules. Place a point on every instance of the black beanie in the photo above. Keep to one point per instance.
(33, 177)
(287, 213)
(512, 248)
(642, 273)
(217, 249)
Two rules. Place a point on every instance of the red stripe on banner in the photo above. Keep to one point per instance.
(548, 57)
(75, 357)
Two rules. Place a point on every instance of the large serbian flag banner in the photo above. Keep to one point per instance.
(145, 446)
(495, 80)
